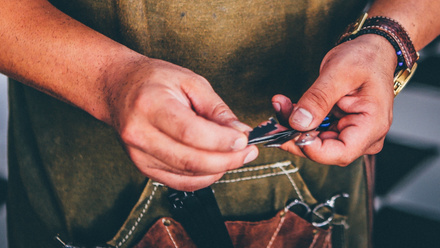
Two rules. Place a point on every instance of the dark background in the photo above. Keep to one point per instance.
(408, 168)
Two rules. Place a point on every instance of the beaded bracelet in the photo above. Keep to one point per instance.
(398, 38)
(400, 58)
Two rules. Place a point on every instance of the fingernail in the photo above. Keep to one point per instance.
(239, 144)
(302, 117)
(306, 138)
(241, 126)
(251, 156)
(276, 106)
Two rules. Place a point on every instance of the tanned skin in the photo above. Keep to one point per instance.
(48, 50)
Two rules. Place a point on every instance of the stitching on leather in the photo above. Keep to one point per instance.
(315, 238)
(141, 215)
(327, 240)
(277, 230)
(171, 237)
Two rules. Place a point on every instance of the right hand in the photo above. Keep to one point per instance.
(175, 128)
(355, 85)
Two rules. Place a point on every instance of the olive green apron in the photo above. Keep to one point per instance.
(69, 174)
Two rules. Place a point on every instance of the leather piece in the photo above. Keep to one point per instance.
(285, 229)
(166, 232)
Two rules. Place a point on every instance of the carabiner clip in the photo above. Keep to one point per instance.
(329, 204)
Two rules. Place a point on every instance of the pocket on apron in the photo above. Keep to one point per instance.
(253, 202)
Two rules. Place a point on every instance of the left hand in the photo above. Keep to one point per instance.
(356, 85)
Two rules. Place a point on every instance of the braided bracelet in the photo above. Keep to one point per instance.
(398, 38)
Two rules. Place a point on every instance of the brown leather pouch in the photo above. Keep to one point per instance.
(275, 232)
(253, 200)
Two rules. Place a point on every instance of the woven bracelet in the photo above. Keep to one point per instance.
(398, 38)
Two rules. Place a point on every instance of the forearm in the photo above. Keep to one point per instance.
(48, 50)
(418, 17)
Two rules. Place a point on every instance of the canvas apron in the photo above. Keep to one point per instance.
(69, 174)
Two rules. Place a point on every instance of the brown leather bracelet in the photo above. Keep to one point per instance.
(396, 35)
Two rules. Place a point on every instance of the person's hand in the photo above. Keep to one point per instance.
(355, 85)
(176, 129)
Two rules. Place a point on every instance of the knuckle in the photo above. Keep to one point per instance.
(186, 134)
(156, 72)
(128, 135)
(135, 137)
(201, 79)
(189, 164)
(320, 98)
(222, 110)
(195, 80)
(139, 103)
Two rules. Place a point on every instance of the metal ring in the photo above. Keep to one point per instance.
(330, 204)
(301, 203)
(325, 221)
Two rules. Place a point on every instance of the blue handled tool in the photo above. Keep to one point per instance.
(260, 134)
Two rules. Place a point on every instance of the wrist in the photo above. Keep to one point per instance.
(378, 46)
(115, 81)
(396, 36)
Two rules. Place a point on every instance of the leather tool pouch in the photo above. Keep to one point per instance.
(286, 229)
(253, 202)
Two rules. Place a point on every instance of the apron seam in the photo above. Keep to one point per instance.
(141, 215)
(250, 169)
(273, 174)
(248, 178)
(295, 187)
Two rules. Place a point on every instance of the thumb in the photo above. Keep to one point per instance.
(315, 105)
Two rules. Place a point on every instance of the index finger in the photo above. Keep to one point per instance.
(356, 138)
(185, 126)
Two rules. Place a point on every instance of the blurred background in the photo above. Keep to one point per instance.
(3, 164)
(408, 169)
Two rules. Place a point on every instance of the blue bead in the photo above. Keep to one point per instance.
(399, 53)
(400, 64)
